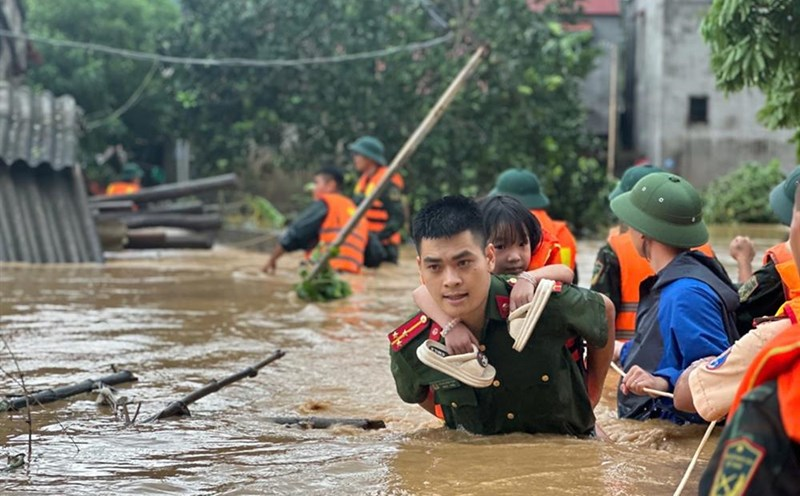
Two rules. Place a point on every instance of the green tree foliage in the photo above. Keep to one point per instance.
(743, 195)
(102, 83)
(756, 44)
(521, 109)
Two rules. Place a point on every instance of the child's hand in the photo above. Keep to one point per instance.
(521, 294)
(460, 340)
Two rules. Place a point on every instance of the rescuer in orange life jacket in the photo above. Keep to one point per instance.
(321, 223)
(386, 214)
(130, 181)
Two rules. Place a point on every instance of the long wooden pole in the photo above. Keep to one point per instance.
(612, 114)
(405, 152)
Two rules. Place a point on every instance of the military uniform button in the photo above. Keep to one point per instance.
(510, 416)
(454, 404)
(482, 347)
(513, 280)
(496, 383)
(423, 319)
(545, 378)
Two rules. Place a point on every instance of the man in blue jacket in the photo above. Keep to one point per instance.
(686, 311)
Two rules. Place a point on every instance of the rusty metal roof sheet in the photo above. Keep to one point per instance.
(37, 128)
(44, 216)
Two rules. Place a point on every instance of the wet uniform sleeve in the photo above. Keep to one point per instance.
(754, 455)
(714, 384)
(759, 296)
(606, 276)
(392, 201)
(303, 233)
(406, 380)
(589, 318)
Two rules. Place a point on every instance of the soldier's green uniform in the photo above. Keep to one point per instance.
(761, 295)
(540, 390)
(754, 454)
(606, 276)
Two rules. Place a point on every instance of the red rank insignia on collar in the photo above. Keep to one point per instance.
(408, 331)
(557, 287)
(502, 305)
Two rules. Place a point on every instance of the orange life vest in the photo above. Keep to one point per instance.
(778, 254)
(781, 256)
(558, 228)
(377, 215)
(779, 361)
(351, 252)
(547, 253)
(122, 188)
(633, 270)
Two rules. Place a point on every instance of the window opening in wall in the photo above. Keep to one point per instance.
(698, 109)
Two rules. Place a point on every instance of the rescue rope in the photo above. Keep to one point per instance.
(646, 390)
(689, 469)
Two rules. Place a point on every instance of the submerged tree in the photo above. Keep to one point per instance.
(756, 44)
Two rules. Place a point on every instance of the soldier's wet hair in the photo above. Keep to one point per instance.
(448, 217)
(506, 221)
(332, 173)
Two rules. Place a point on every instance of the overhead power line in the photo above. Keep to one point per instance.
(226, 62)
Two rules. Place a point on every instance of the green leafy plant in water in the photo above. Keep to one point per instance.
(326, 285)
(264, 213)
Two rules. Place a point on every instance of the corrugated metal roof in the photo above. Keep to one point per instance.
(37, 128)
(44, 216)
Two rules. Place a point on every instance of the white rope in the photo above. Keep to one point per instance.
(689, 469)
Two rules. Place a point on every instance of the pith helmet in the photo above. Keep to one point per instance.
(370, 147)
(781, 199)
(522, 185)
(131, 171)
(631, 177)
(666, 208)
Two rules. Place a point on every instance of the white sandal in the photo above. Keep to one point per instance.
(472, 369)
(521, 328)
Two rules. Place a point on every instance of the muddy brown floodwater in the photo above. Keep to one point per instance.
(179, 319)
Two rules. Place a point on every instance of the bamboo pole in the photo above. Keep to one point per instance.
(406, 151)
(646, 390)
(689, 469)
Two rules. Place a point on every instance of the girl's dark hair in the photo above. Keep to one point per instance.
(504, 217)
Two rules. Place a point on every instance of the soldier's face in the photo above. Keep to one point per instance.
(456, 271)
(361, 163)
(638, 242)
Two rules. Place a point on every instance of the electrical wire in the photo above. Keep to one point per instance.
(226, 62)
(130, 102)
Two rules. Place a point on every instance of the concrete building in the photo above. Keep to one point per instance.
(676, 115)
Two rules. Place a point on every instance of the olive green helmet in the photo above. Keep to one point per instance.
(666, 208)
(370, 147)
(781, 199)
(631, 177)
(522, 185)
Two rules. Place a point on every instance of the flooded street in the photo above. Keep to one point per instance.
(180, 319)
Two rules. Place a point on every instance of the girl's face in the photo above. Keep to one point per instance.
(511, 256)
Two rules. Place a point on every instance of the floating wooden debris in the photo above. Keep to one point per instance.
(51, 395)
(181, 407)
(326, 422)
